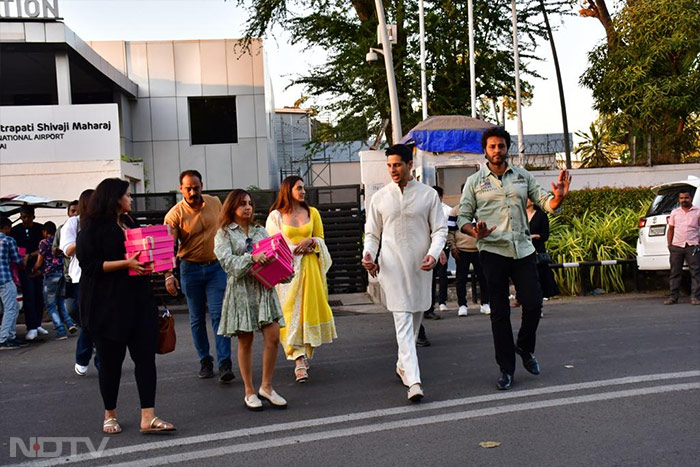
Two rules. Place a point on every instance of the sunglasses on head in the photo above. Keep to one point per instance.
(249, 245)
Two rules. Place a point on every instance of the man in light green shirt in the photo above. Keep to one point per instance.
(496, 196)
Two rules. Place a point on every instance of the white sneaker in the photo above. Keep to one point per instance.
(81, 370)
(415, 393)
(42, 331)
(486, 309)
(463, 311)
(31, 335)
(443, 307)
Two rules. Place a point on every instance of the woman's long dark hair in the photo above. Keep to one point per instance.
(228, 211)
(84, 202)
(285, 202)
(104, 202)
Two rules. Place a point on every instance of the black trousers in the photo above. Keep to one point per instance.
(523, 272)
(440, 282)
(33, 298)
(142, 349)
(467, 258)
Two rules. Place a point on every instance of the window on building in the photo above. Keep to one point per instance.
(213, 120)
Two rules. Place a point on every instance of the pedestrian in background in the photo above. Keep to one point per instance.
(307, 314)
(28, 234)
(248, 306)
(70, 302)
(119, 310)
(539, 233)
(466, 255)
(683, 245)
(51, 267)
(69, 236)
(8, 289)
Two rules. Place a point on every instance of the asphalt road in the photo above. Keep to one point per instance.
(620, 385)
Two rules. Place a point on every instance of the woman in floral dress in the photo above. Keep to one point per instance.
(248, 306)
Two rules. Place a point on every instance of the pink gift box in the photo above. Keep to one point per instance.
(281, 266)
(149, 243)
(151, 231)
(148, 256)
(158, 265)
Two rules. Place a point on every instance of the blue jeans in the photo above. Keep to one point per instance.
(55, 304)
(8, 296)
(84, 346)
(202, 286)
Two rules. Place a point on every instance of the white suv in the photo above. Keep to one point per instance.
(652, 246)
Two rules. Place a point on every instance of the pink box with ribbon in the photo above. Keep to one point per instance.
(148, 256)
(158, 265)
(282, 264)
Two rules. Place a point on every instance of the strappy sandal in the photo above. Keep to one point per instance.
(301, 374)
(307, 365)
(158, 426)
(111, 426)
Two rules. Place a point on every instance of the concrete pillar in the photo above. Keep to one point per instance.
(63, 78)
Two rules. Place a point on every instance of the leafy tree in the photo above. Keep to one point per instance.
(346, 30)
(646, 76)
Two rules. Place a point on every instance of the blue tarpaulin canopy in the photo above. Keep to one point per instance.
(449, 133)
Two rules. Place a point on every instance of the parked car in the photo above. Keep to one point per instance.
(652, 245)
(10, 206)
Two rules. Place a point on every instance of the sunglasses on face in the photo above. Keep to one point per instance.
(249, 245)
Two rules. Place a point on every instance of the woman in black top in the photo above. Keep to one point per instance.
(118, 310)
(539, 232)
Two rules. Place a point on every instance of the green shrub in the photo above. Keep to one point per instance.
(601, 200)
(595, 235)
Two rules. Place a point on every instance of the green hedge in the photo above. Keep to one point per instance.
(602, 200)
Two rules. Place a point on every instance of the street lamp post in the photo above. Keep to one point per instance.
(391, 80)
(516, 59)
(423, 79)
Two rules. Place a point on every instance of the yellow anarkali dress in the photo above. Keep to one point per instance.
(305, 299)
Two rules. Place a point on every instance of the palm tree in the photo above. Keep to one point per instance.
(593, 150)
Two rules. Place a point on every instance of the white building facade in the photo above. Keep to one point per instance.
(73, 113)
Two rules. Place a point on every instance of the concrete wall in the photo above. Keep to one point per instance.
(167, 73)
(65, 180)
(335, 173)
(621, 177)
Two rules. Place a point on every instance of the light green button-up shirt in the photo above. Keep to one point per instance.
(502, 203)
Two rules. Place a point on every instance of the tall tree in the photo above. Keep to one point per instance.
(647, 77)
(358, 91)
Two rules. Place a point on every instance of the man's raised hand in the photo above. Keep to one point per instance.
(561, 188)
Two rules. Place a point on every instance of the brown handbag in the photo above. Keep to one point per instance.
(166, 333)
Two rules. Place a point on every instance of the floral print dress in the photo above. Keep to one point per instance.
(248, 305)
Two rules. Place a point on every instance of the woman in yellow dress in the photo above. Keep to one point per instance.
(305, 299)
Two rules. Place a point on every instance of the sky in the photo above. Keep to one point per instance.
(133, 20)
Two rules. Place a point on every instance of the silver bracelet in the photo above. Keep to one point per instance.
(169, 277)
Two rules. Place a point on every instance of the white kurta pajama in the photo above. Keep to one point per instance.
(410, 225)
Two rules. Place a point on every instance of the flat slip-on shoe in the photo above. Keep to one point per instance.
(274, 399)
(253, 403)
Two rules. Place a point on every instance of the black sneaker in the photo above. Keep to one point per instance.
(422, 342)
(207, 370)
(11, 345)
(225, 373)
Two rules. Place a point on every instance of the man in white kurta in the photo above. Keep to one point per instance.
(406, 216)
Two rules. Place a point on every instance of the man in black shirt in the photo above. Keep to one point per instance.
(28, 234)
